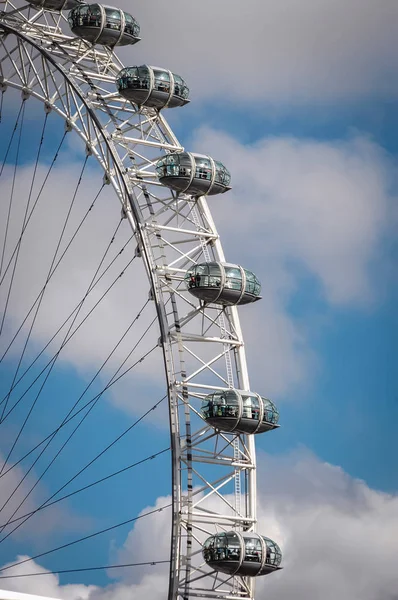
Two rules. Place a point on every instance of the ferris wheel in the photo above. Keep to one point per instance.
(62, 53)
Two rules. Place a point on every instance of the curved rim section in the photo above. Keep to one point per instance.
(177, 340)
(133, 215)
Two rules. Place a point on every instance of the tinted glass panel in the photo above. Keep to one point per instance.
(112, 19)
(206, 275)
(160, 74)
(222, 174)
(251, 407)
(89, 16)
(131, 26)
(214, 269)
(233, 278)
(143, 71)
(113, 13)
(180, 88)
(252, 283)
(271, 414)
(224, 404)
(220, 541)
(162, 80)
(202, 161)
(253, 550)
(273, 553)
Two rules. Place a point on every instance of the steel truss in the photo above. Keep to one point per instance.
(213, 473)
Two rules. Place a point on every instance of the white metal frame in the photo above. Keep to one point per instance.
(202, 345)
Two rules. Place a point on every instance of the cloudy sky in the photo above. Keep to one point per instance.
(298, 99)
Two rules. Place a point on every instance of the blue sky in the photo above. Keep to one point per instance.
(322, 343)
(348, 415)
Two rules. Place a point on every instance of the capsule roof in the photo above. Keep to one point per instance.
(238, 411)
(242, 553)
(103, 24)
(223, 283)
(56, 4)
(193, 174)
(152, 86)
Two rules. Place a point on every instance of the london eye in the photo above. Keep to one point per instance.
(60, 56)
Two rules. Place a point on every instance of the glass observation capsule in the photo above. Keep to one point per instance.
(105, 25)
(223, 283)
(239, 411)
(194, 174)
(56, 4)
(242, 553)
(152, 86)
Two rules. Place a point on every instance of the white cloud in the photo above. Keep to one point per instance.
(303, 214)
(50, 522)
(320, 205)
(43, 585)
(334, 531)
(298, 208)
(91, 345)
(336, 535)
(144, 543)
(280, 52)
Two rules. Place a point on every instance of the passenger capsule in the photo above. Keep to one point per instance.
(56, 4)
(105, 25)
(152, 86)
(236, 411)
(242, 553)
(193, 174)
(223, 283)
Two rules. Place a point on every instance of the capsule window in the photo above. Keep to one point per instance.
(180, 89)
(207, 408)
(127, 77)
(223, 176)
(252, 283)
(233, 546)
(232, 404)
(199, 277)
(214, 279)
(143, 75)
(271, 415)
(208, 548)
(209, 543)
(173, 170)
(225, 404)
(203, 275)
(273, 553)
(217, 548)
(253, 550)
(203, 169)
(218, 405)
(113, 19)
(89, 16)
(131, 25)
(251, 407)
(95, 14)
(169, 166)
(233, 278)
(162, 80)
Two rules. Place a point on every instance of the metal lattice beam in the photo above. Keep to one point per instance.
(202, 345)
